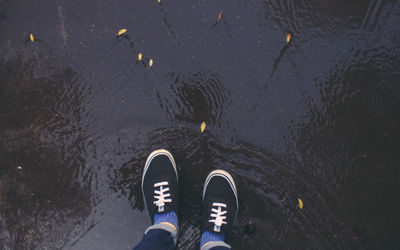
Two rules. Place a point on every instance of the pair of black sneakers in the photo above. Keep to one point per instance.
(160, 193)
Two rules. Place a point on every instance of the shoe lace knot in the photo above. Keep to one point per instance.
(218, 215)
(161, 194)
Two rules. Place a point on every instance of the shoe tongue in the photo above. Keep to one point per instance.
(213, 226)
(167, 208)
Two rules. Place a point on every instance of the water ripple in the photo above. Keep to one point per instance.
(195, 98)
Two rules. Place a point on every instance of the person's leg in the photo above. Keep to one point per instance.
(220, 207)
(219, 248)
(160, 194)
(157, 239)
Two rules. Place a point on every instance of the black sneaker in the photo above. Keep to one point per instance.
(160, 183)
(220, 203)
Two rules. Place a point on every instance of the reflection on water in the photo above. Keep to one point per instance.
(199, 97)
(353, 139)
(315, 119)
(41, 156)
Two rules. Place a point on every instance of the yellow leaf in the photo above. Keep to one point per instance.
(151, 62)
(139, 56)
(158, 1)
(300, 203)
(203, 127)
(219, 16)
(19, 167)
(31, 37)
(122, 31)
(288, 37)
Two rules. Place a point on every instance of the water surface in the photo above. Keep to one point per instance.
(317, 118)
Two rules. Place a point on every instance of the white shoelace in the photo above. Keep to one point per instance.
(217, 214)
(161, 195)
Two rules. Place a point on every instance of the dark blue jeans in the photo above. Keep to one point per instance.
(159, 239)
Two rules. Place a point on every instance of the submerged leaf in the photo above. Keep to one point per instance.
(139, 56)
(151, 62)
(203, 127)
(300, 203)
(158, 1)
(288, 37)
(31, 37)
(122, 31)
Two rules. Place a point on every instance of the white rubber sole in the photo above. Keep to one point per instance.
(227, 176)
(157, 153)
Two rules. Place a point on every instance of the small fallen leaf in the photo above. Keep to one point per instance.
(158, 1)
(139, 56)
(31, 37)
(19, 167)
(288, 37)
(151, 62)
(220, 16)
(203, 127)
(122, 31)
(300, 203)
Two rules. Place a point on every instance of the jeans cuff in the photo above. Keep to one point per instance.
(210, 244)
(167, 227)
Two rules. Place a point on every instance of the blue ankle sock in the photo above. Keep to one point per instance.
(166, 217)
(208, 236)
